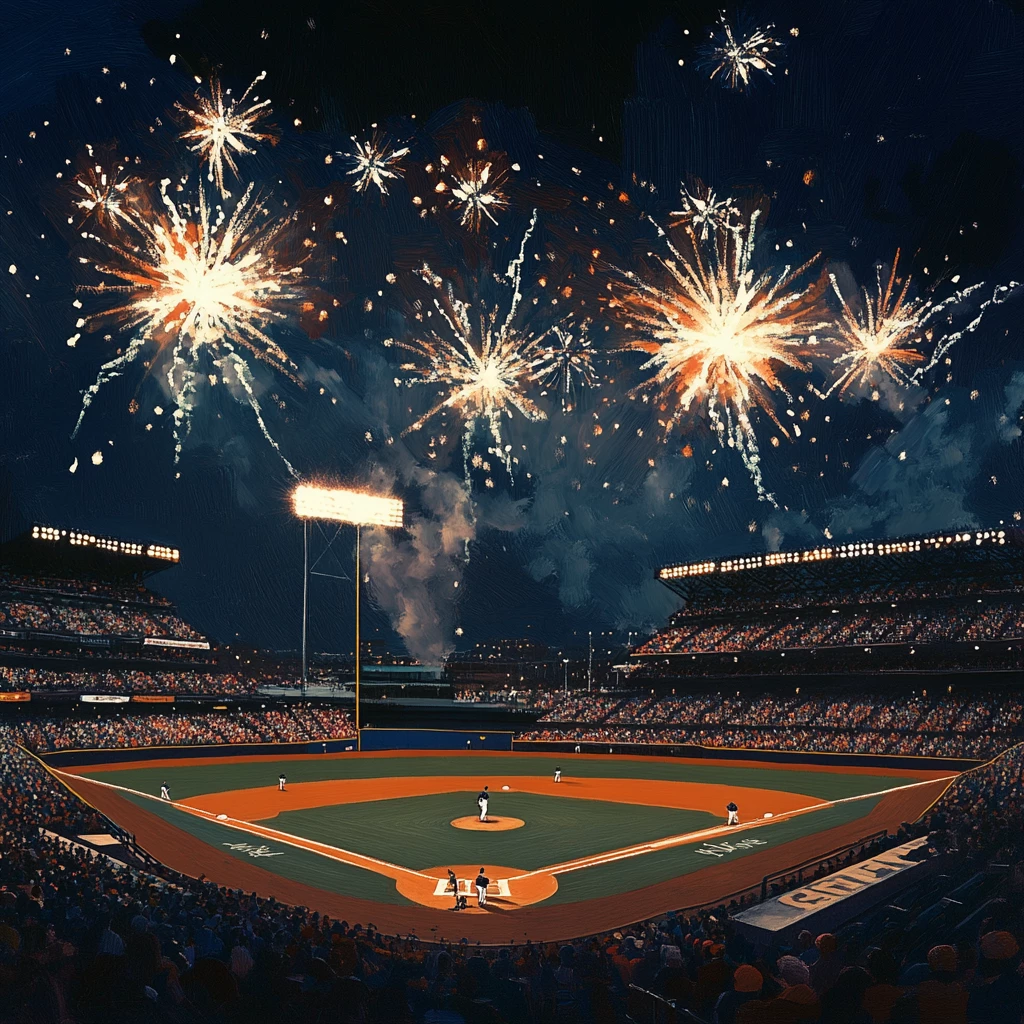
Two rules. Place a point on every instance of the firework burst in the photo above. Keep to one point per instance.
(735, 58)
(222, 130)
(374, 161)
(718, 335)
(104, 194)
(703, 211)
(483, 359)
(476, 189)
(193, 281)
(566, 362)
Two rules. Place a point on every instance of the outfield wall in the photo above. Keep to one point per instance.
(433, 739)
(952, 764)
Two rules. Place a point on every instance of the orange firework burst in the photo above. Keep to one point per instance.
(718, 335)
(223, 130)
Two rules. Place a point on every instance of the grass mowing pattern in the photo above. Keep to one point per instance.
(417, 832)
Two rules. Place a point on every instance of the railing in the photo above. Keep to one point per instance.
(815, 862)
(649, 1008)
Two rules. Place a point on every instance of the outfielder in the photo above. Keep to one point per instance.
(482, 800)
(482, 881)
(734, 813)
(558, 774)
(165, 793)
(281, 781)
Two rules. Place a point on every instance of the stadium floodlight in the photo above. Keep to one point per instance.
(354, 508)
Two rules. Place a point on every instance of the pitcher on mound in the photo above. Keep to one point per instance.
(481, 801)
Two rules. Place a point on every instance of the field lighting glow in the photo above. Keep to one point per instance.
(77, 538)
(344, 506)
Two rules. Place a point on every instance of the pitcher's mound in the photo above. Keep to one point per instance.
(492, 824)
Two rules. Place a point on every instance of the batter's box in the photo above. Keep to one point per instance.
(467, 887)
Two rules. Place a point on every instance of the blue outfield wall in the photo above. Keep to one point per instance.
(433, 739)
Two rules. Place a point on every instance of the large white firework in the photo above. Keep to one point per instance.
(566, 362)
(195, 281)
(375, 161)
(222, 129)
(478, 354)
(735, 58)
(718, 335)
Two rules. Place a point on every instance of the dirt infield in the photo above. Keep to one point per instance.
(508, 917)
(491, 824)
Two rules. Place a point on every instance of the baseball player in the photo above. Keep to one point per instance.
(165, 793)
(482, 800)
(281, 780)
(577, 748)
(734, 813)
(482, 881)
(558, 774)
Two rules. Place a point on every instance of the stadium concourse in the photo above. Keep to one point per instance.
(763, 659)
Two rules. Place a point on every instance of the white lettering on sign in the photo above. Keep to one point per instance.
(721, 849)
(253, 851)
(844, 883)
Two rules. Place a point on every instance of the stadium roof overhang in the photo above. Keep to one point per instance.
(46, 548)
(852, 564)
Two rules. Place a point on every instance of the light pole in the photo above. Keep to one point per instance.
(590, 659)
(356, 508)
(565, 685)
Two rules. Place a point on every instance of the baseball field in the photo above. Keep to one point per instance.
(369, 837)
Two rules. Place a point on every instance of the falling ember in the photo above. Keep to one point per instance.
(887, 330)
(194, 280)
(374, 161)
(104, 193)
(566, 362)
(477, 194)
(481, 356)
(703, 211)
(717, 335)
(221, 131)
(734, 59)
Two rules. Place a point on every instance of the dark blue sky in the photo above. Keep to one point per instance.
(905, 117)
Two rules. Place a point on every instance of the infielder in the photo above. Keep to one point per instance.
(165, 793)
(482, 881)
(734, 813)
(558, 774)
(482, 800)
(281, 781)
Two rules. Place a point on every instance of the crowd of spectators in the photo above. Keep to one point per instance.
(92, 618)
(82, 586)
(843, 627)
(292, 723)
(128, 681)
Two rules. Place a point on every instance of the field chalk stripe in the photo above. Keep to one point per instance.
(358, 860)
(628, 852)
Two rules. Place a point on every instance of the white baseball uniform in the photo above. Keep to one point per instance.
(165, 793)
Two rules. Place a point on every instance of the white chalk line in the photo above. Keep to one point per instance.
(640, 849)
(300, 842)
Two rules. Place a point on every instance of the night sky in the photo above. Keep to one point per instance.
(882, 126)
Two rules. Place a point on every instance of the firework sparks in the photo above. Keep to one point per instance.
(222, 130)
(718, 335)
(476, 192)
(194, 279)
(567, 361)
(703, 211)
(105, 194)
(375, 161)
(887, 330)
(482, 358)
(734, 61)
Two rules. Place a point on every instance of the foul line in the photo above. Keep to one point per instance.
(359, 860)
(627, 852)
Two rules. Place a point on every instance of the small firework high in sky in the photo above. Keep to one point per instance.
(566, 362)
(703, 211)
(734, 58)
(374, 161)
(718, 335)
(195, 281)
(222, 130)
(475, 191)
(480, 355)
(104, 193)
